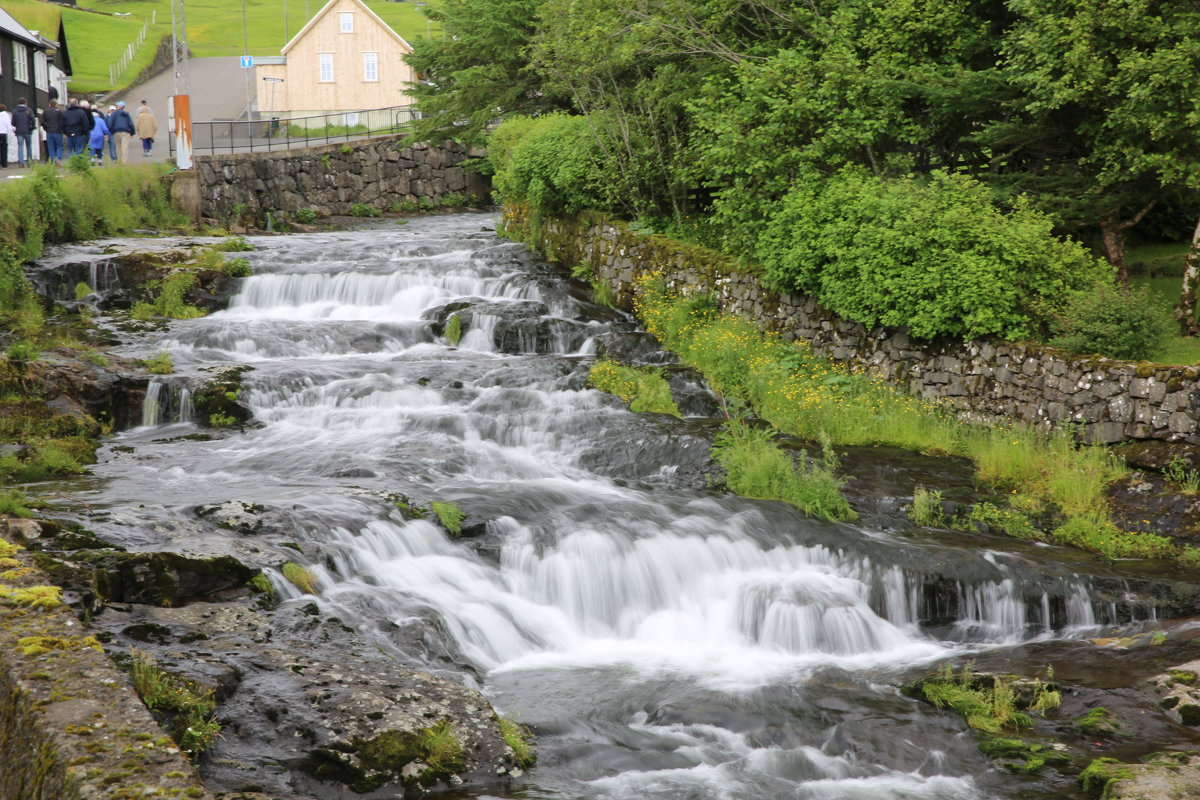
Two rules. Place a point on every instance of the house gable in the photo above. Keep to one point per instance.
(342, 7)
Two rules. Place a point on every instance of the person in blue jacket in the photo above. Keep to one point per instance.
(96, 138)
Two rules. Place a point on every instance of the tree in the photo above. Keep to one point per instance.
(478, 70)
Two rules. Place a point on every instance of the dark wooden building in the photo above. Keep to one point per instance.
(24, 69)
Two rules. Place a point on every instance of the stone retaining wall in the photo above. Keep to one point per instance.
(1110, 400)
(331, 178)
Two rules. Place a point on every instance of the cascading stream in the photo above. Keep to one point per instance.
(666, 642)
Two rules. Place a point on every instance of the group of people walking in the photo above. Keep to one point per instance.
(75, 129)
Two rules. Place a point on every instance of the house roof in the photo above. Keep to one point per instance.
(325, 10)
(16, 30)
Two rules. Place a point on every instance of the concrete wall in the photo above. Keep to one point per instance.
(331, 178)
(993, 381)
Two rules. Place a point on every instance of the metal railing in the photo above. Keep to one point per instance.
(277, 133)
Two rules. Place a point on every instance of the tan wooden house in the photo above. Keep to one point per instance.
(346, 59)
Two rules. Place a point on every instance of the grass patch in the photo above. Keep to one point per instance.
(520, 740)
(450, 515)
(985, 705)
(300, 577)
(188, 709)
(926, 507)
(1050, 475)
(756, 467)
(161, 364)
(40, 597)
(643, 389)
(454, 329)
(14, 504)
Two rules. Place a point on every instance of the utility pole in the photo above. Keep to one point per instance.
(180, 102)
(246, 52)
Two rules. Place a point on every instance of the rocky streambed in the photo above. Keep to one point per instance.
(374, 503)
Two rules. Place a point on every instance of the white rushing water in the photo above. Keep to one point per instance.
(674, 644)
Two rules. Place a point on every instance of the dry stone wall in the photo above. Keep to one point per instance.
(331, 178)
(1110, 400)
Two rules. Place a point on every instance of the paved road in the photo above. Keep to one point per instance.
(217, 87)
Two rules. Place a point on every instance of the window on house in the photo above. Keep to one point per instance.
(20, 63)
(370, 66)
(326, 62)
(347, 22)
(40, 76)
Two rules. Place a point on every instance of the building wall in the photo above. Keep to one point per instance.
(302, 89)
(1109, 400)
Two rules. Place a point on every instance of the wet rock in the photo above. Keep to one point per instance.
(163, 578)
(234, 515)
(326, 715)
(1179, 693)
(1164, 776)
(218, 401)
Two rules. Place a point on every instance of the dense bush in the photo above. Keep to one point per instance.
(553, 163)
(935, 255)
(1116, 322)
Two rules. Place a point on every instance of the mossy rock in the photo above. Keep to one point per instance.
(163, 579)
(221, 397)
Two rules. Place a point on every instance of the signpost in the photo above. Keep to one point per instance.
(247, 62)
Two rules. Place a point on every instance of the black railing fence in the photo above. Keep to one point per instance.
(277, 133)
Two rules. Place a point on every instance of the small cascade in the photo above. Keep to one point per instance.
(166, 404)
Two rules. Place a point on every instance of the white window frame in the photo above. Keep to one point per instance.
(41, 75)
(20, 62)
(325, 67)
(371, 67)
(346, 22)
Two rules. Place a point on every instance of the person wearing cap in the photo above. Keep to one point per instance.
(121, 128)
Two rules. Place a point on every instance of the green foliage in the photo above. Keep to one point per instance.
(188, 708)
(755, 466)
(14, 504)
(1098, 720)
(300, 577)
(450, 515)
(1011, 522)
(346, 150)
(986, 705)
(934, 255)
(1179, 472)
(926, 507)
(454, 331)
(645, 389)
(306, 216)
(169, 301)
(1111, 321)
(438, 746)
(234, 244)
(1020, 757)
(238, 268)
(1096, 776)
(364, 210)
(161, 364)
(82, 290)
(553, 163)
(520, 740)
(221, 420)
(1103, 537)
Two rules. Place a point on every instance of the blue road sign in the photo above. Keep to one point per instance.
(247, 62)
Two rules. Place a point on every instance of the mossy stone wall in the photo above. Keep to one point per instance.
(992, 381)
(331, 178)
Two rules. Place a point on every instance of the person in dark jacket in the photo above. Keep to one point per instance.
(52, 122)
(24, 124)
(77, 123)
(121, 126)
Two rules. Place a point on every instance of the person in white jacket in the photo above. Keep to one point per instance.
(6, 130)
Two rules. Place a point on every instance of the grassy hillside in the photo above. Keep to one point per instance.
(215, 26)
(97, 40)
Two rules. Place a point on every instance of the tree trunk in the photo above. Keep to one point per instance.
(1112, 233)
(1185, 310)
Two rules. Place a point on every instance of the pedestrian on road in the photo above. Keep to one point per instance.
(5, 131)
(112, 140)
(52, 124)
(96, 137)
(121, 128)
(24, 124)
(77, 123)
(147, 128)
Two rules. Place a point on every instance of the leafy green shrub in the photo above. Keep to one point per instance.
(645, 389)
(551, 162)
(926, 507)
(161, 364)
(238, 268)
(234, 244)
(169, 302)
(363, 210)
(306, 216)
(936, 256)
(1111, 321)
